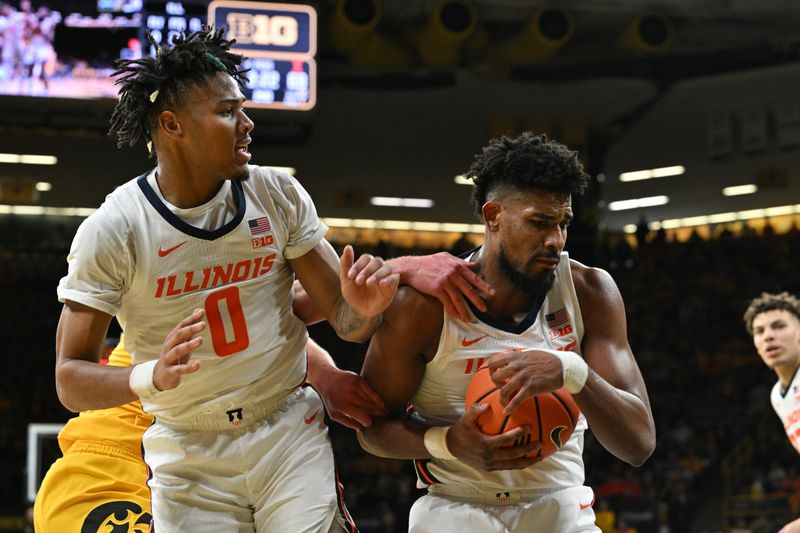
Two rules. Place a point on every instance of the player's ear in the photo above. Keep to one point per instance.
(491, 211)
(168, 123)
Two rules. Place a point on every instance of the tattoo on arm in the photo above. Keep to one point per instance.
(347, 321)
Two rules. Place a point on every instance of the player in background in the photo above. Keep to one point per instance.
(570, 321)
(212, 243)
(774, 322)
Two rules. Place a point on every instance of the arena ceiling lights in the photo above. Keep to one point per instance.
(738, 190)
(661, 172)
(635, 203)
(390, 201)
(28, 159)
(38, 210)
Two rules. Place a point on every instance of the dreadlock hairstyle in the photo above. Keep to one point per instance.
(770, 302)
(149, 85)
(524, 162)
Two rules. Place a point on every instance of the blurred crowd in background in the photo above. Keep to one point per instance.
(708, 388)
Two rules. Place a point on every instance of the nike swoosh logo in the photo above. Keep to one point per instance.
(582, 506)
(465, 342)
(309, 419)
(164, 253)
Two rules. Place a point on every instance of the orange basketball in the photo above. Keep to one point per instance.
(551, 416)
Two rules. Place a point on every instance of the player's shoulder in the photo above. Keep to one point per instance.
(594, 286)
(278, 184)
(413, 320)
(115, 213)
(779, 399)
(413, 310)
(589, 277)
(775, 392)
(270, 176)
(120, 201)
(409, 297)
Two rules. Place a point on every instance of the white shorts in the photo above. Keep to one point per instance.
(276, 474)
(561, 511)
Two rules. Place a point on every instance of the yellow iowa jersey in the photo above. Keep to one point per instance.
(99, 485)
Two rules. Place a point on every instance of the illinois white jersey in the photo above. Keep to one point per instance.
(137, 259)
(787, 405)
(554, 323)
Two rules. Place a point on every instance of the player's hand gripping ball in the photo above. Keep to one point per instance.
(551, 416)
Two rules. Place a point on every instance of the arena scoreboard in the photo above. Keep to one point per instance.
(280, 42)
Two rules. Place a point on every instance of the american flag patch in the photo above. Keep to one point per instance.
(259, 225)
(557, 319)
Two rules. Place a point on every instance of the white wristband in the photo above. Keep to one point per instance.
(436, 442)
(141, 379)
(574, 369)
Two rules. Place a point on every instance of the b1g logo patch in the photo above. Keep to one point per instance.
(117, 517)
(558, 324)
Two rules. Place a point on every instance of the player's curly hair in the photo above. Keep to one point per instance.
(769, 302)
(149, 85)
(523, 162)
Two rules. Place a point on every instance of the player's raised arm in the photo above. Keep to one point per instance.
(351, 294)
(451, 280)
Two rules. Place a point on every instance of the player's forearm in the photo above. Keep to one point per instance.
(319, 361)
(350, 325)
(620, 420)
(394, 439)
(82, 385)
(406, 266)
(304, 307)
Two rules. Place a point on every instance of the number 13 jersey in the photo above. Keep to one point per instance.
(151, 264)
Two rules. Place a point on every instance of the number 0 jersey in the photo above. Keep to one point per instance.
(556, 324)
(141, 259)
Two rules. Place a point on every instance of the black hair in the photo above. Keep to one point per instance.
(149, 85)
(770, 302)
(525, 162)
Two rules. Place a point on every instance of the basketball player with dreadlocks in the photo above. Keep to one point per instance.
(554, 323)
(213, 243)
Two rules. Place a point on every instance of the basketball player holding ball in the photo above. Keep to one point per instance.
(561, 325)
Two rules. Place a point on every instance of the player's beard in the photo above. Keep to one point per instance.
(536, 284)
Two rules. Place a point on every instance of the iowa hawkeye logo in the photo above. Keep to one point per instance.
(117, 517)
